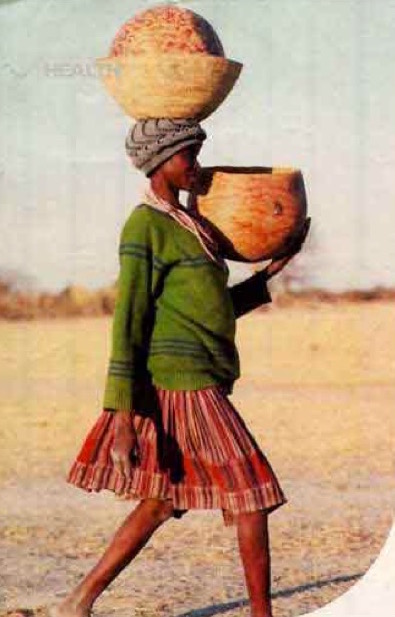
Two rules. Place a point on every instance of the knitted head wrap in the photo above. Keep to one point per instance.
(152, 141)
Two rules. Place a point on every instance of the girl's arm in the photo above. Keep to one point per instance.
(132, 314)
(131, 327)
(249, 294)
(253, 292)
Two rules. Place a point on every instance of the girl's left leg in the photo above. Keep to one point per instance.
(130, 538)
(253, 537)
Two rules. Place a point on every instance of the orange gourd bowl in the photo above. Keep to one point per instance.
(254, 211)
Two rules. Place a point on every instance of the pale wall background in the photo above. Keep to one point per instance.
(317, 92)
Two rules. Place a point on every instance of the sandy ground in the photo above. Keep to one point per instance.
(317, 391)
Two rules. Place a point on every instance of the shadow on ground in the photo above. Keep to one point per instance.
(218, 609)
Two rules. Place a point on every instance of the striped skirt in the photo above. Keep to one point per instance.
(193, 448)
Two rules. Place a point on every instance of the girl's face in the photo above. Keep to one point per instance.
(181, 170)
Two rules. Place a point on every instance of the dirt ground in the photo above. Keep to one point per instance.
(317, 391)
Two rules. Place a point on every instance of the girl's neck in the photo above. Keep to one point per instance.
(165, 191)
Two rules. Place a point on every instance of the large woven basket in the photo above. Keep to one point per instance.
(168, 61)
(256, 211)
(174, 85)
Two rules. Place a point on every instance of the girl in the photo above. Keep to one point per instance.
(168, 435)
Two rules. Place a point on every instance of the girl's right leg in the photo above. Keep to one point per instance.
(253, 536)
(130, 538)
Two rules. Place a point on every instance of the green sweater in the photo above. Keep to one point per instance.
(174, 318)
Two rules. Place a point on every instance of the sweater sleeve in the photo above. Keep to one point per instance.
(249, 294)
(132, 315)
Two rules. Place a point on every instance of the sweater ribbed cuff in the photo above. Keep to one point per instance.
(118, 393)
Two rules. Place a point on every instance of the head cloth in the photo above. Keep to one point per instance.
(152, 141)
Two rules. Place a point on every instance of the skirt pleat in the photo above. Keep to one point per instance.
(193, 448)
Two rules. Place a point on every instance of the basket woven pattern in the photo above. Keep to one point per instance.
(257, 212)
(169, 85)
(166, 29)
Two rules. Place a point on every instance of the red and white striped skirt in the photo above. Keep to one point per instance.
(194, 448)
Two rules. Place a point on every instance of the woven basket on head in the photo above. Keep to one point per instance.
(256, 211)
(168, 62)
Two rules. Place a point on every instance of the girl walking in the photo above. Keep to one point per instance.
(168, 435)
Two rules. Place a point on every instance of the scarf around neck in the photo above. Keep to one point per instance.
(189, 221)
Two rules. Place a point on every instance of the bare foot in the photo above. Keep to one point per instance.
(68, 608)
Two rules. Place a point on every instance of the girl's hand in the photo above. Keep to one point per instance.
(125, 442)
(293, 247)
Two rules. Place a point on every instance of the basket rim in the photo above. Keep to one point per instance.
(252, 170)
(161, 57)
